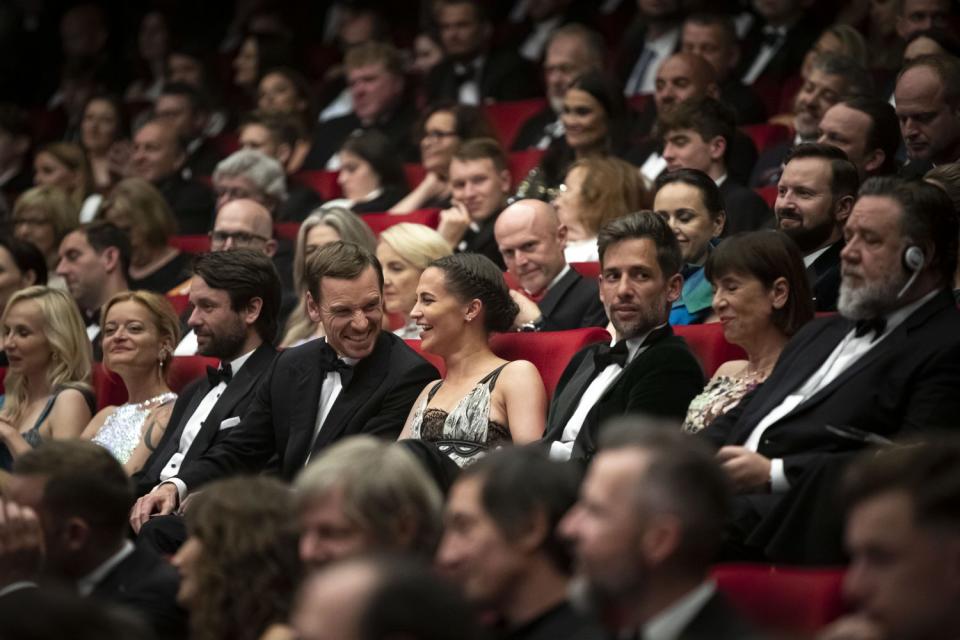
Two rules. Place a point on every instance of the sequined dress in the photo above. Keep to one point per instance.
(720, 395)
(122, 431)
(467, 432)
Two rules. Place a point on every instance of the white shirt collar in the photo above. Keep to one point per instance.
(88, 583)
(634, 343)
(721, 180)
(670, 623)
(236, 364)
(898, 316)
(809, 259)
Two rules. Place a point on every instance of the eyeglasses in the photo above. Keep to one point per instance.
(33, 222)
(240, 238)
(435, 135)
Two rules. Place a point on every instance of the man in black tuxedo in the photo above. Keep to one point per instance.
(647, 369)
(235, 297)
(555, 297)
(713, 36)
(184, 108)
(697, 134)
(887, 366)
(929, 111)
(158, 157)
(816, 194)
(650, 482)
(652, 37)
(775, 45)
(375, 77)
(571, 51)
(472, 71)
(357, 380)
(65, 525)
(832, 78)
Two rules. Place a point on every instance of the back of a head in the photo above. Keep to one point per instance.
(418, 244)
(102, 235)
(682, 478)
(473, 276)
(27, 257)
(947, 70)
(857, 81)
(376, 149)
(611, 188)
(82, 480)
(643, 224)
(398, 500)
(884, 131)
(145, 207)
(45, 614)
(245, 274)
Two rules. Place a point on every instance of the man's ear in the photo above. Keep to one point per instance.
(284, 151)
(111, 259)
(661, 538)
(505, 181)
(674, 287)
(875, 161)
(76, 534)
(562, 234)
(252, 311)
(313, 308)
(713, 90)
(842, 209)
(718, 148)
(270, 248)
(534, 533)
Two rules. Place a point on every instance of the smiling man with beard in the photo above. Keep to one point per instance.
(646, 369)
(814, 197)
(888, 365)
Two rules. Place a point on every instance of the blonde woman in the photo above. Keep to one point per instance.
(404, 251)
(135, 206)
(65, 165)
(47, 391)
(321, 227)
(140, 331)
(43, 216)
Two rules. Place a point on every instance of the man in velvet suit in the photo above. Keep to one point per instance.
(236, 304)
(816, 193)
(357, 380)
(65, 508)
(777, 42)
(648, 370)
(887, 366)
(645, 531)
(557, 298)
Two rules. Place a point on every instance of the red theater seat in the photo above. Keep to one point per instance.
(765, 136)
(380, 221)
(589, 270)
(191, 244)
(110, 390)
(415, 173)
(707, 343)
(769, 194)
(323, 182)
(507, 118)
(180, 302)
(286, 230)
(521, 162)
(783, 599)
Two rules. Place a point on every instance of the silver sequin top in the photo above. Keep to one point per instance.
(122, 431)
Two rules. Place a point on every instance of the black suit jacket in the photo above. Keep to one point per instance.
(769, 165)
(741, 156)
(660, 381)
(903, 386)
(788, 59)
(233, 403)
(572, 303)
(717, 620)
(147, 584)
(281, 419)
(824, 276)
(398, 126)
(746, 211)
(534, 129)
(193, 204)
(503, 76)
(747, 107)
(483, 241)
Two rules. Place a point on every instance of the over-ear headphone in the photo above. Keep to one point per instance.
(913, 258)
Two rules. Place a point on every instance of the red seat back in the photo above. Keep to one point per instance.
(783, 599)
(768, 193)
(323, 182)
(191, 244)
(179, 302)
(380, 221)
(110, 390)
(589, 270)
(707, 343)
(107, 387)
(508, 117)
(765, 136)
(3, 376)
(436, 361)
(521, 162)
(286, 230)
(415, 173)
(186, 369)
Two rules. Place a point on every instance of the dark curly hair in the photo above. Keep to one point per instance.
(249, 570)
(472, 276)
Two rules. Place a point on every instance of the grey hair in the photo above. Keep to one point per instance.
(858, 80)
(263, 171)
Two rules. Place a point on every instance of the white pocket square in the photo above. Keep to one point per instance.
(229, 422)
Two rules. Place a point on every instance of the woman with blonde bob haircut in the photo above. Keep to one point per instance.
(140, 332)
(43, 216)
(65, 165)
(595, 191)
(319, 229)
(404, 251)
(47, 392)
(137, 207)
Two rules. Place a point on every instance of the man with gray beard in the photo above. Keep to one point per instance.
(886, 367)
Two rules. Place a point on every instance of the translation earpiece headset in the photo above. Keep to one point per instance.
(913, 261)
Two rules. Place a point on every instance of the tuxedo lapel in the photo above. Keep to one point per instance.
(556, 293)
(170, 443)
(305, 404)
(566, 403)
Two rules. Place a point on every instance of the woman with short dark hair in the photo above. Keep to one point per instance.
(371, 174)
(762, 297)
(484, 401)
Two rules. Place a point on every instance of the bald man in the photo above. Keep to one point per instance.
(682, 77)
(555, 297)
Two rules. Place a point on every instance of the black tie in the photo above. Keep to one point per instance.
(222, 374)
(876, 325)
(332, 362)
(772, 36)
(607, 355)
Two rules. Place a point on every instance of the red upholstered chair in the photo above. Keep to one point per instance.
(186, 369)
(521, 162)
(707, 343)
(639, 102)
(179, 302)
(286, 230)
(549, 351)
(589, 270)
(3, 376)
(110, 390)
(191, 244)
(768, 193)
(436, 361)
(508, 117)
(380, 221)
(323, 182)
(798, 601)
(415, 173)
(765, 136)
(107, 387)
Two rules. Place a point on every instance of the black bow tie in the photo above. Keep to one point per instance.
(607, 355)
(876, 325)
(222, 374)
(773, 35)
(332, 362)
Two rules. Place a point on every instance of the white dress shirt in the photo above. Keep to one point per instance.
(850, 349)
(188, 345)
(765, 55)
(88, 583)
(670, 623)
(563, 448)
(329, 392)
(643, 76)
(192, 428)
